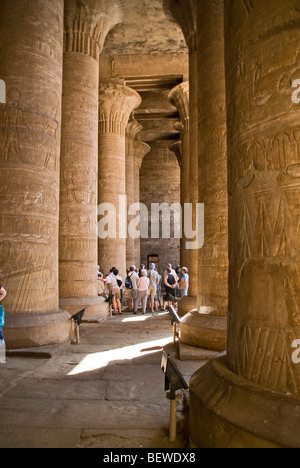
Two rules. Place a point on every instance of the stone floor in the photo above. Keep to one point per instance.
(106, 392)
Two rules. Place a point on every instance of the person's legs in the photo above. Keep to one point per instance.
(118, 302)
(144, 301)
(137, 301)
(152, 291)
(184, 292)
(114, 304)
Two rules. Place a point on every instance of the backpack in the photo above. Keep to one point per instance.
(128, 283)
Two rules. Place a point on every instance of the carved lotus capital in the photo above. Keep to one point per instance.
(179, 97)
(140, 151)
(176, 148)
(87, 23)
(116, 103)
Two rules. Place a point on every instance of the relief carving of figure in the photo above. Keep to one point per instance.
(11, 119)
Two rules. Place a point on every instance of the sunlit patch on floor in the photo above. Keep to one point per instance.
(95, 361)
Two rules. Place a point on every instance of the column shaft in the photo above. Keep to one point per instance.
(264, 162)
(213, 257)
(140, 150)
(86, 26)
(132, 130)
(31, 65)
(78, 206)
(176, 148)
(179, 97)
(251, 397)
(184, 12)
(116, 104)
(193, 160)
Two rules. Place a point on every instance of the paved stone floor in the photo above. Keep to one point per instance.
(106, 392)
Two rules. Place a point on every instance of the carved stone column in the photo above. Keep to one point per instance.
(252, 397)
(206, 326)
(179, 97)
(132, 130)
(30, 124)
(213, 259)
(117, 102)
(86, 26)
(176, 148)
(140, 150)
(184, 13)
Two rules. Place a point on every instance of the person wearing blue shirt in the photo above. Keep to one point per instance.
(184, 282)
(2, 341)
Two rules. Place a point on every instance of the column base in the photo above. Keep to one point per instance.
(204, 331)
(97, 308)
(227, 411)
(191, 353)
(40, 329)
(186, 304)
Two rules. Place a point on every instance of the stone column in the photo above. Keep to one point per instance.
(86, 26)
(251, 399)
(213, 258)
(117, 102)
(31, 65)
(179, 97)
(184, 13)
(207, 327)
(132, 130)
(176, 148)
(140, 150)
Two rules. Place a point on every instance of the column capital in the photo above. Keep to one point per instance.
(116, 103)
(87, 23)
(179, 97)
(184, 13)
(176, 148)
(140, 151)
(133, 128)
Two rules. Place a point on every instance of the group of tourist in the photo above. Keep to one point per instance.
(144, 287)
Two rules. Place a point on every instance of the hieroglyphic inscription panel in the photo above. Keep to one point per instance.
(78, 177)
(262, 60)
(31, 57)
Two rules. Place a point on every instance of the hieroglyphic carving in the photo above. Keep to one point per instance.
(116, 103)
(132, 245)
(87, 24)
(80, 184)
(264, 187)
(179, 96)
(212, 161)
(251, 4)
(12, 118)
(29, 151)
